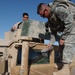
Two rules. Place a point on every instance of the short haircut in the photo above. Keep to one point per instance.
(25, 14)
(39, 7)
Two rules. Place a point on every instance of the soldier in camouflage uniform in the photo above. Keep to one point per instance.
(60, 19)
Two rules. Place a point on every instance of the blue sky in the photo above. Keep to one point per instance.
(11, 12)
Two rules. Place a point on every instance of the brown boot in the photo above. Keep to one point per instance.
(63, 71)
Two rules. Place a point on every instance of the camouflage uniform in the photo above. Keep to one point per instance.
(61, 20)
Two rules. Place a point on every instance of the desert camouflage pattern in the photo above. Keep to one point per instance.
(62, 20)
(61, 0)
(69, 50)
(32, 28)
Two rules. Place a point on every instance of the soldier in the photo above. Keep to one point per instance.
(60, 19)
(20, 24)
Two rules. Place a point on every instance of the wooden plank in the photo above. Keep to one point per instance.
(38, 46)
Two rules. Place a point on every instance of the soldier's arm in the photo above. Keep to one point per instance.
(47, 27)
(64, 14)
(14, 27)
(50, 32)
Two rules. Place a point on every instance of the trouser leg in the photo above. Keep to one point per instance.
(68, 53)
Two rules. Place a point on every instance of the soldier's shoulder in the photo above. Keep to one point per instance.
(61, 9)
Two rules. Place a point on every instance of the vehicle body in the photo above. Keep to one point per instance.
(31, 37)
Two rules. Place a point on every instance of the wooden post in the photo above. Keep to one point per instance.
(52, 57)
(24, 61)
(52, 66)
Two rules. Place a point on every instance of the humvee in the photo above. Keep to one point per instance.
(21, 52)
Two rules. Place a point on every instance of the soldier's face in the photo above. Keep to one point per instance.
(25, 17)
(44, 13)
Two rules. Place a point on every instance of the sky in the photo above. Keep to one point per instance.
(11, 12)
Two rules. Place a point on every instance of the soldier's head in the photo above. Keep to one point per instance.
(43, 10)
(25, 16)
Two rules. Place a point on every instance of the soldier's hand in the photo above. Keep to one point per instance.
(12, 29)
(61, 42)
(49, 46)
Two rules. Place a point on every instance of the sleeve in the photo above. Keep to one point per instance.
(46, 27)
(50, 32)
(52, 39)
(14, 27)
(64, 15)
